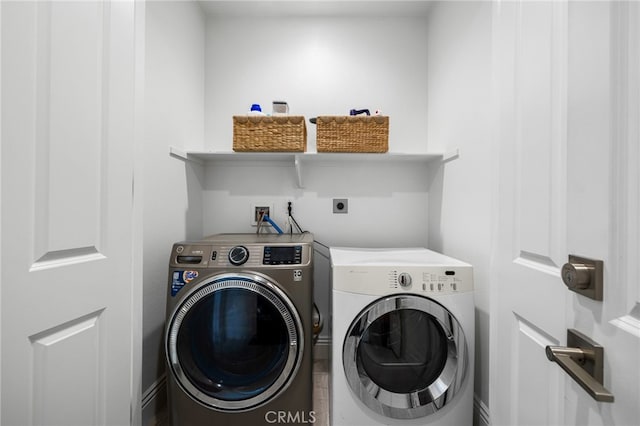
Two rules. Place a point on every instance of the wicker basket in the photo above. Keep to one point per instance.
(269, 134)
(352, 133)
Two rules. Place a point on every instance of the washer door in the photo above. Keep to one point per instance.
(235, 342)
(405, 356)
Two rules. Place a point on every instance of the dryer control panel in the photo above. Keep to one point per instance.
(381, 280)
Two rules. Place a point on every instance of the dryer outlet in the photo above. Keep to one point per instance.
(340, 205)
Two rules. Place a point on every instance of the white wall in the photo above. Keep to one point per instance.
(387, 202)
(460, 117)
(320, 65)
(174, 105)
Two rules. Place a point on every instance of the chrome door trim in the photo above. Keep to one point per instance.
(422, 402)
(284, 305)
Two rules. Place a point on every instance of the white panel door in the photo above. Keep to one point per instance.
(67, 295)
(566, 84)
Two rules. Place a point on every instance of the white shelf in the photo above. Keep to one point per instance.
(297, 159)
(225, 9)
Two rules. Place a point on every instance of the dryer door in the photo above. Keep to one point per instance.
(405, 356)
(235, 342)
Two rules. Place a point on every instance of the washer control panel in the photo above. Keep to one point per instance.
(282, 255)
(245, 255)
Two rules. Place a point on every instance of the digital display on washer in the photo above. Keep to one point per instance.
(282, 255)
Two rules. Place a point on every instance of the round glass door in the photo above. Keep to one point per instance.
(235, 342)
(405, 356)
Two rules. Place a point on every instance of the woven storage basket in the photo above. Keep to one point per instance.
(269, 134)
(352, 133)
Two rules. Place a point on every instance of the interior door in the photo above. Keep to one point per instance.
(566, 83)
(68, 296)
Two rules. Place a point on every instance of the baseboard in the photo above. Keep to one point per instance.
(154, 401)
(480, 412)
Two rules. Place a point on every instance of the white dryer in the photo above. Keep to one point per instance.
(403, 338)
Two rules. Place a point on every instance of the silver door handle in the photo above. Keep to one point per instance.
(584, 276)
(583, 360)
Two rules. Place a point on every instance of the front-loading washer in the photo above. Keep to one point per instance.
(403, 338)
(239, 330)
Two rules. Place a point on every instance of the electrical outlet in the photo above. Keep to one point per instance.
(340, 205)
(256, 209)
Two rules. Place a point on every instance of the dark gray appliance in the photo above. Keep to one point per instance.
(239, 330)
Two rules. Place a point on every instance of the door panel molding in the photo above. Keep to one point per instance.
(537, 262)
(624, 269)
(540, 102)
(534, 379)
(71, 83)
(54, 259)
(629, 323)
(81, 376)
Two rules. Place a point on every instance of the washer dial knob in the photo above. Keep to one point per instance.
(238, 255)
(404, 279)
